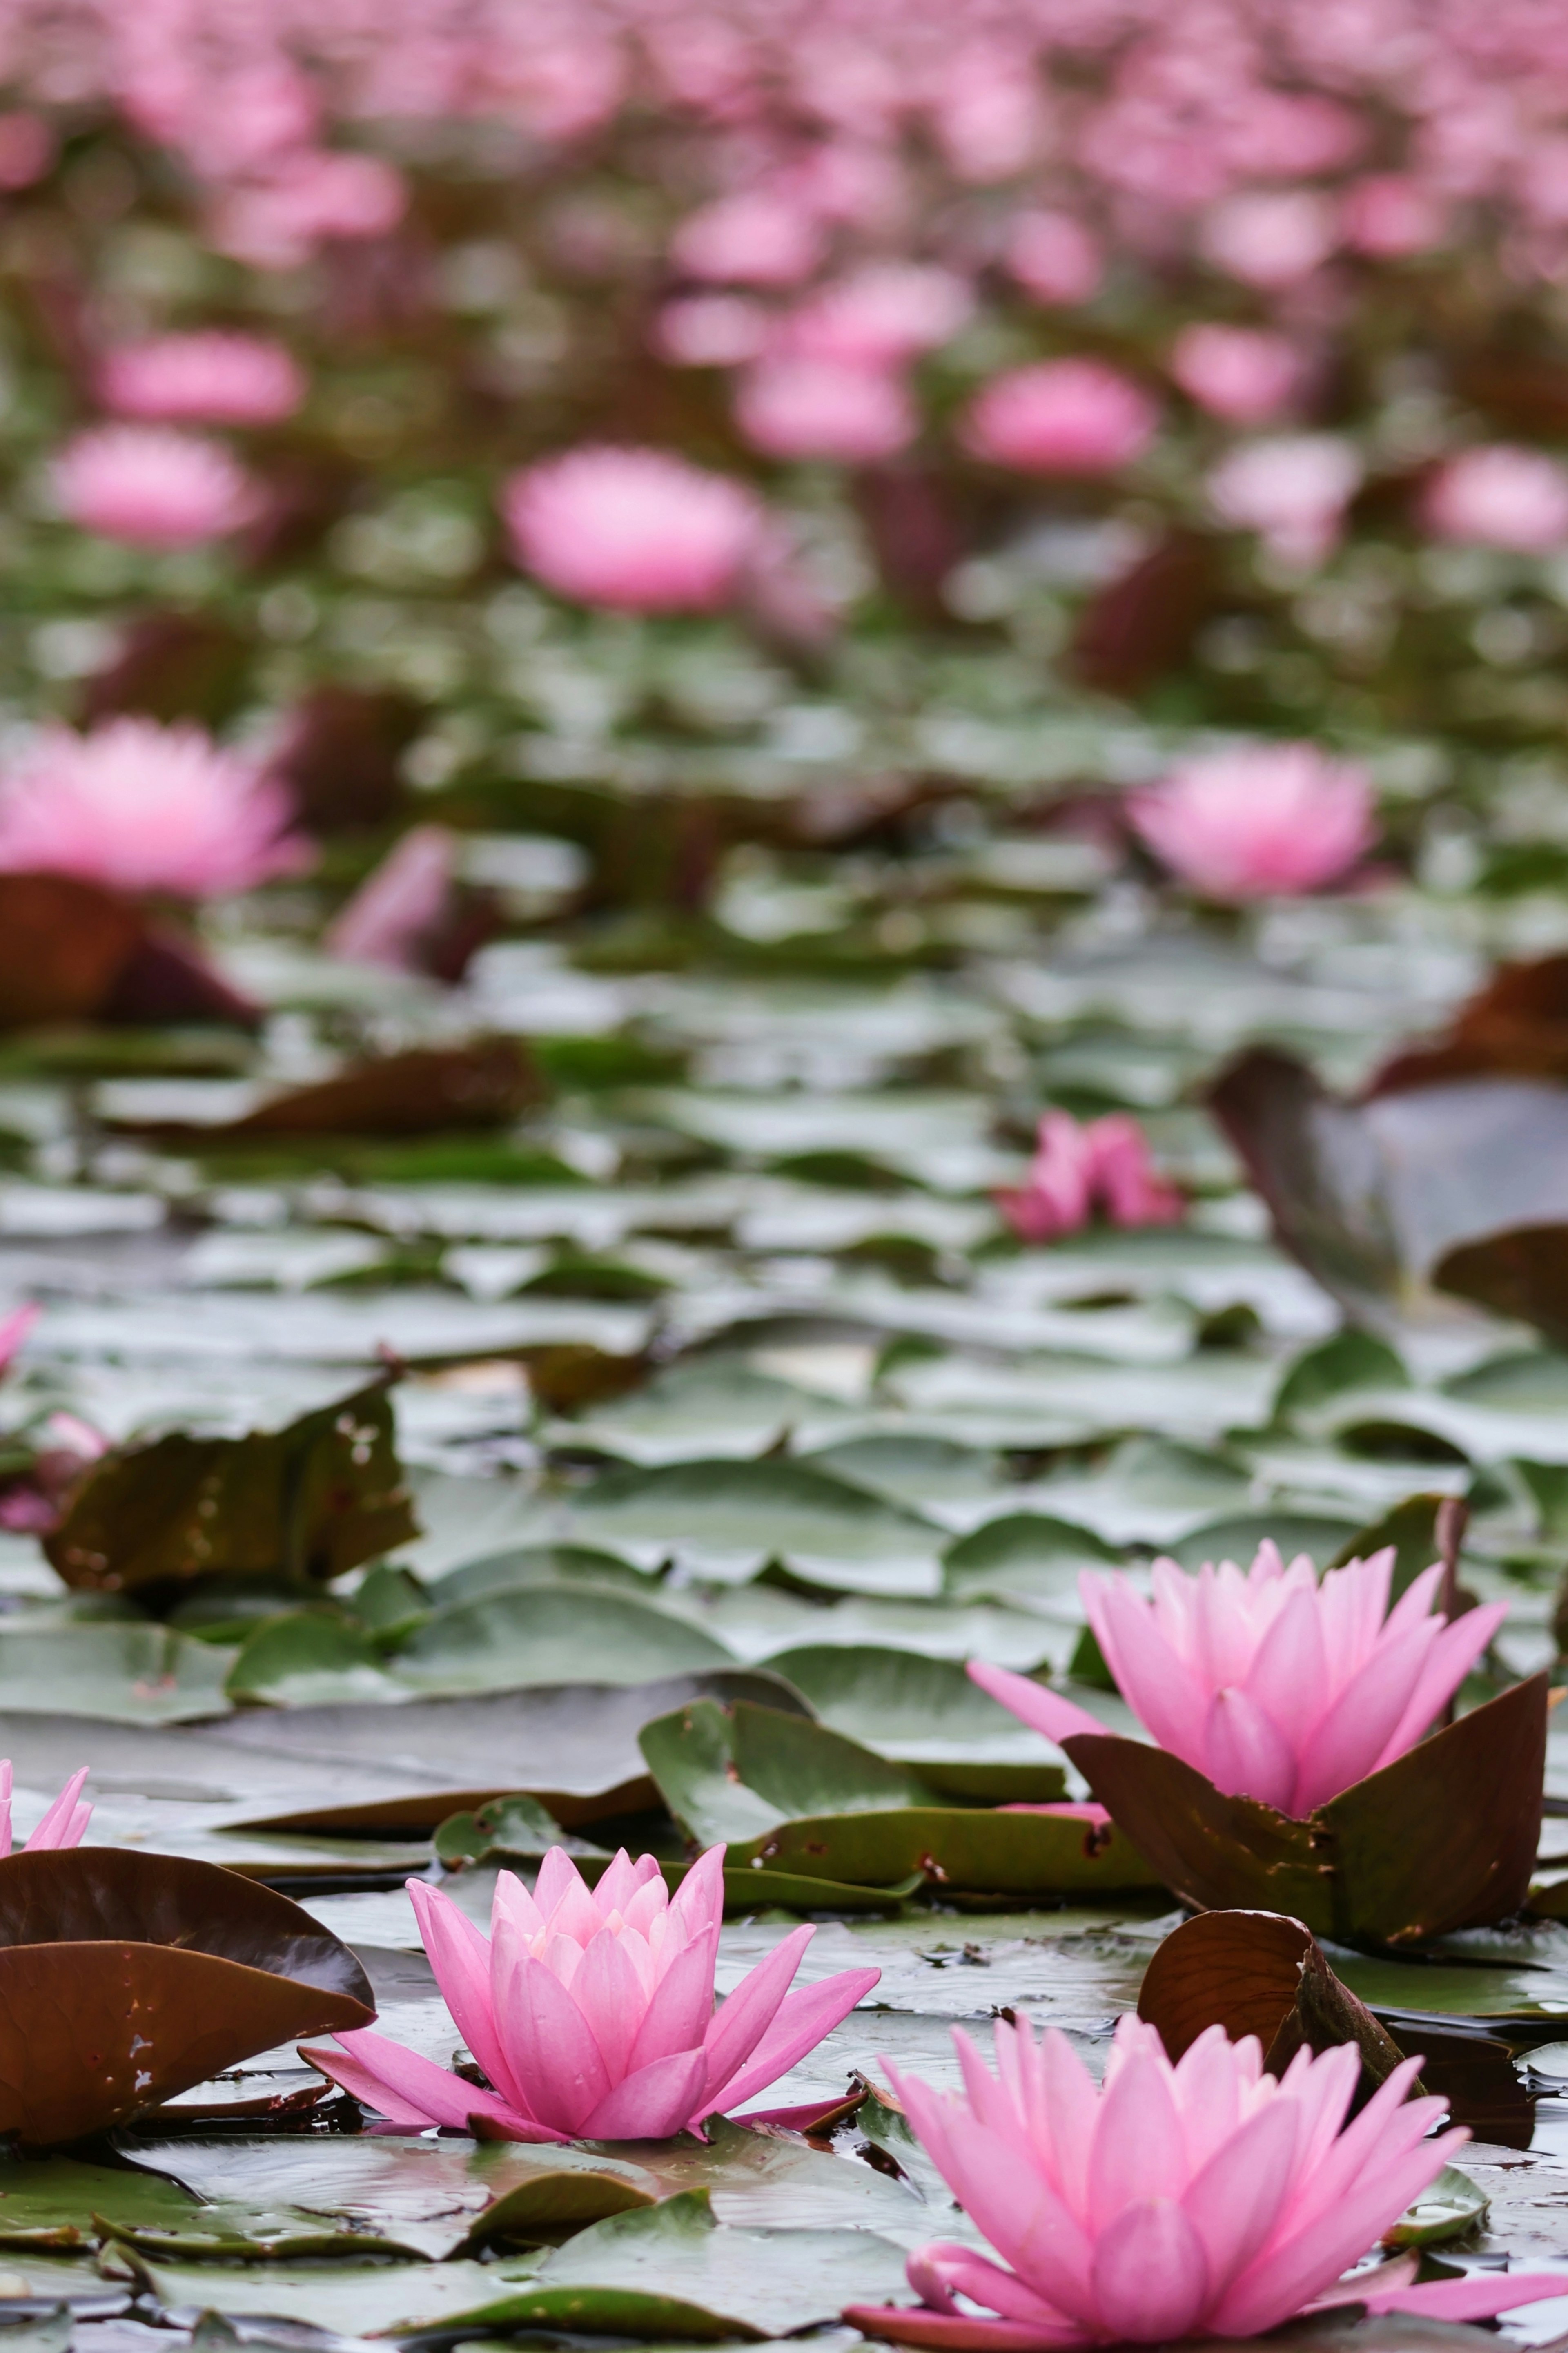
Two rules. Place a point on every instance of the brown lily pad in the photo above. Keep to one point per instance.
(63, 946)
(1258, 1973)
(306, 1502)
(126, 1978)
(1445, 1838)
(1517, 1025)
(430, 1091)
(1462, 1185)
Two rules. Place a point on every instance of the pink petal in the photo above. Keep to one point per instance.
(1157, 1684)
(800, 2023)
(1150, 2280)
(1002, 2190)
(1353, 1733)
(1043, 1711)
(1289, 1677)
(460, 1957)
(1480, 2296)
(651, 2104)
(408, 2090)
(698, 1902)
(608, 1992)
(969, 2273)
(1139, 2151)
(1236, 2199)
(943, 2332)
(1447, 1663)
(1246, 1754)
(682, 2010)
(552, 2056)
(58, 1825)
(739, 2023)
(618, 1883)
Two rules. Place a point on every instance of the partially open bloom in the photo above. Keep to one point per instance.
(63, 1825)
(592, 2013)
(749, 239)
(211, 378)
(1271, 1685)
(1292, 489)
(1500, 496)
(152, 486)
(824, 409)
(1103, 1165)
(1261, 819)
(878, 316)
(1061, 417)
(1271, 237)
(634, 530)
(1242, 374)
(1054, 258)
(1201, 2198)
(140, 807)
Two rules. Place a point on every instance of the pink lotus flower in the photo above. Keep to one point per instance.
(203, 379)
(710, 330)
(592, 2013)
(1204, 2199)
(1054, 258)
(1292, 490)
(1500, 496)
(63, 1825)
(888, 313)
(1271, 237)
(751, 239)
(27, 149)
(1241, 373)
(1261, 819)
(13, 1331)
(823, 409)
(1272, 1685)
(1104, 1164)
(140, 807)
(400, 903)
(1061, 417)
(303, 200)
(633, 529)
(152, 486)
(1389, 217)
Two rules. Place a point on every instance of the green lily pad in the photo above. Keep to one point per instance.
(553, 1634)
(926, 1712)
(308, 1658)
(129, 1673)
(1451, 2207)
(729, 1519)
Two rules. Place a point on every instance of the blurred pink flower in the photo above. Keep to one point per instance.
(824, 409)
(1389, 216)
(1292, 489)
(749, 240)
(1271, 1685)
(1054, 258)
(710, 330)
(1103, 1165)
(64, 1824)
(27, 149)
(1261, 819)
(886, 313)
(152, 486)
(1500, 496)
(1061, 417)
(209, 378)
(592, 2013)
(637, 530)
(277, 220)
(13, 1331)
(1242, 374)
(1270, 237)
(140, 807)
(987, 112)
(1204, 2199)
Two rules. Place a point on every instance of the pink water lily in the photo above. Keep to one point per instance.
(591, 2011)
(1204, 2198)
(1275, 1685)
(1104, 1165)
(63, 1825)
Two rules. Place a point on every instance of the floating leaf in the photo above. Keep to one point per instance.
(927, 1711)
(1444, 1838)
(305, 1503)
(216, 1968)
(1258, 1973)
(553, 1634)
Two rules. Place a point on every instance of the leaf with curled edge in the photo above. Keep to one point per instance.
(1445, 1838)
(1460, 1186)
(308, 1502)
(1258, 1973)
(126, 1978)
